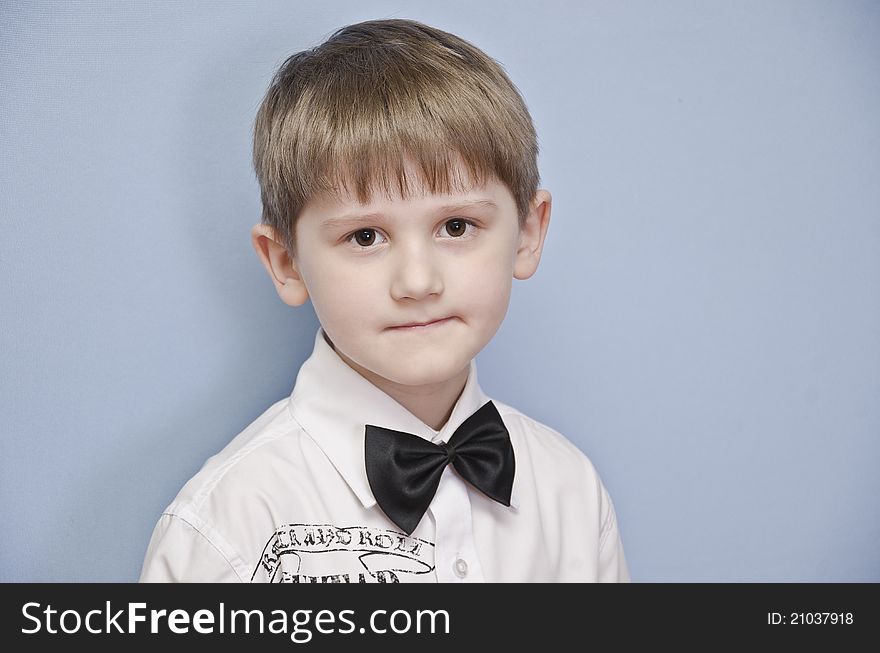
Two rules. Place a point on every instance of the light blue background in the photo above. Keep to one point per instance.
(705, 323)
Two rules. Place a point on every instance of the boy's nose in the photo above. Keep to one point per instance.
(416, 275)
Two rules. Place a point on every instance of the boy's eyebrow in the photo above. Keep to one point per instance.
(458, 206)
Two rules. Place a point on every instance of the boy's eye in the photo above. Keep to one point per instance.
(366, 238)
(457, 225)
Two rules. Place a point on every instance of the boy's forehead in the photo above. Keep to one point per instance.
(343, 201)
(343, 204)
(346, 203)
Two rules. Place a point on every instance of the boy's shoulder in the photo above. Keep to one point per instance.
(544, 446)
(235, 467)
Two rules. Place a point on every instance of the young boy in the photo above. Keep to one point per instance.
(398, 170)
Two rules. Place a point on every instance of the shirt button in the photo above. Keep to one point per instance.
(460, 568)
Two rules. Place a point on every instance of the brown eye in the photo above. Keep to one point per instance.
(457, 227)
(365, 237)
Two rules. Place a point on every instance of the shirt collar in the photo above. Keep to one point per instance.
(332, 402)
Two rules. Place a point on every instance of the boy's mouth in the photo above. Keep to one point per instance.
(423, 325)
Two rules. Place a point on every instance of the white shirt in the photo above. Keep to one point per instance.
(287, 500)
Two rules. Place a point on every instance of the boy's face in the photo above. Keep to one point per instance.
(448, 259)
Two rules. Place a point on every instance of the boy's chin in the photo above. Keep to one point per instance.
(415, 374)
(421, 381)
(413, 369)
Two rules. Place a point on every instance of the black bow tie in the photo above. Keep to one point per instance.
(404, 470)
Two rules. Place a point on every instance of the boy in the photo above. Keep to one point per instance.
(398, 174)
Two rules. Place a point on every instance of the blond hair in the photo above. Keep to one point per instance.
(352, 110)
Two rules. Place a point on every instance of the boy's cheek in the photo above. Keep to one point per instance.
(483, 294)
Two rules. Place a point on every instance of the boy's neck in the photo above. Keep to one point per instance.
(432, 403)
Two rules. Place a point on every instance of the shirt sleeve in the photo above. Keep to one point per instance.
(179, 552)
(612, 561)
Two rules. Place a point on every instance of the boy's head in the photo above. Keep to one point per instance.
(426, 139)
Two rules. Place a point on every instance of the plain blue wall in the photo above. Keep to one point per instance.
(705, 323)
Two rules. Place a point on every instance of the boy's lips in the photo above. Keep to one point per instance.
(422, 325)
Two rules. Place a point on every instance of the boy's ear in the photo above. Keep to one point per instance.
(281, 268)
(531, 236)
